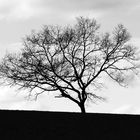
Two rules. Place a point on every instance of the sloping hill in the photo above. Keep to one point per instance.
(61, 125)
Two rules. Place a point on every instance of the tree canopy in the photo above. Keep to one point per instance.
(70, 60)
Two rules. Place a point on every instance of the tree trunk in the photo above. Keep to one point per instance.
(82, 107)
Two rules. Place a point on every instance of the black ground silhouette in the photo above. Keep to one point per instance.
(61, 125)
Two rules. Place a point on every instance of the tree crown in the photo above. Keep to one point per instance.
(71, 59)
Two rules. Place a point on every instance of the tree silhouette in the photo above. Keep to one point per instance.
(70, 60)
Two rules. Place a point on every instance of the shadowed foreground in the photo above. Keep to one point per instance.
(61, 125)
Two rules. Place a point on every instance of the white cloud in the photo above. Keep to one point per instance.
(135, 41)
(19, 9)
(10, 48)
(127, 109)
(9, 99)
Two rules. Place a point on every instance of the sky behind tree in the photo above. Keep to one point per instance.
(19, 17)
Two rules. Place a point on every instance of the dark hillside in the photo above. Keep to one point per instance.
(61, 125)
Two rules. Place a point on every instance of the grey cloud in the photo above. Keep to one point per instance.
(6, 8)
(66, 5)
(64, 11)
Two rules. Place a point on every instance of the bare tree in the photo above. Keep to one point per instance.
(70, 60)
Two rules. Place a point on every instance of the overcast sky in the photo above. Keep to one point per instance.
(19, 17)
